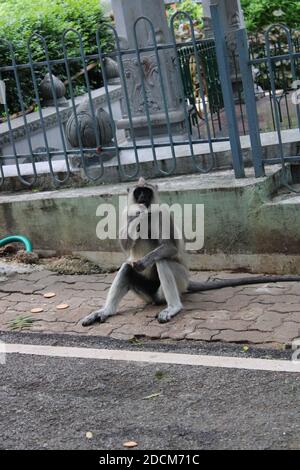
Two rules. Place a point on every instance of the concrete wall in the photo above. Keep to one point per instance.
(245, 227)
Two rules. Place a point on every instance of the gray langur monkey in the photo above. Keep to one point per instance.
(155, 268)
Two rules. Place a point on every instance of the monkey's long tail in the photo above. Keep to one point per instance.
(195, 286)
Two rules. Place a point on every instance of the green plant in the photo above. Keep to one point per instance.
(20, 19)
(21, 322)
(261, 13)
(194, 9)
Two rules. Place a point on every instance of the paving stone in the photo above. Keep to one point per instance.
(18, 297)
(124, 337)
(154, 330)
(293, 288)
(179, 331)
(3, 307)
(284, 307)
(24, 307)
(250, 313)
(24, 287)
(219, 315)
(294, 317)
(260, 314)
(220, 295)
(201, 334)
(215, 324)
(131, 330)
(238, 302)
(265, 289)
(53, 327)
(287, 298)
(243, 336)
(37, 275)
(268, 321)
(287, 332)
(101, 329)
(200, 315)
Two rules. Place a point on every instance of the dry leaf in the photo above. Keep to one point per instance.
(36, 310)
(130, 444)
(154, 395)
(49, 295)
(89, 435)
(62, 306)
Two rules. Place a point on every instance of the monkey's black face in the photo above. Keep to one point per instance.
(143, 196)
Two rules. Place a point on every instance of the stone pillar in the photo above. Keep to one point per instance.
(232, 18)
(231, 15)
(126, 13)
(207, 26)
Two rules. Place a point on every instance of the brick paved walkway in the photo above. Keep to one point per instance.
(261, 314)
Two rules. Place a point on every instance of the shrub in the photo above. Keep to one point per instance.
(19, 19)
(262, 13)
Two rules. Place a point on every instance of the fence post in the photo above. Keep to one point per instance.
(250, 102)
(223, 65)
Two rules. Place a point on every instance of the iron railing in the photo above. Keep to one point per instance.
(280, 60)
(203, 96)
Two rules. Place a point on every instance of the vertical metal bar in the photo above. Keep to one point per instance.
(90, 99)
(206, 119)
(162, 89)
(181, 90)
(127, 101)
(250, 101)
(69, 77)
(223, 65)
(273, 90)
(37, 96)
(95, 127)
(60, 126)
(293, 68)
(27, 131)
(105, 83)
(145, 98)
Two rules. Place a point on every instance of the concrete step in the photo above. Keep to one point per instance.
(240, 219)
(278, 223)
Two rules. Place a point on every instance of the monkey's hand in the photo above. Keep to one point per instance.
(139, 265)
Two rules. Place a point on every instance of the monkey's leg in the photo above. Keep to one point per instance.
(170, 291)
(118, 290)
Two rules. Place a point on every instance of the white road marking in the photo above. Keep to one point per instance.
(155, 357)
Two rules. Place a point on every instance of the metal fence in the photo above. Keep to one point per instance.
(278, 60)
(176, 104)
(94, 137)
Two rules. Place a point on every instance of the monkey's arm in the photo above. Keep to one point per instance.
(165, 250)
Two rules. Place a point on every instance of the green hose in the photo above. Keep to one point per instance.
(17, 239)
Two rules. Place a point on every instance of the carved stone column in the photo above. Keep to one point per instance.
(126, 13)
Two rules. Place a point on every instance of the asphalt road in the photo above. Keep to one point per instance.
(51, 403)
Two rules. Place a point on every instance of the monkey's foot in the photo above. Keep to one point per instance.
(98, 316)
(165, 315)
